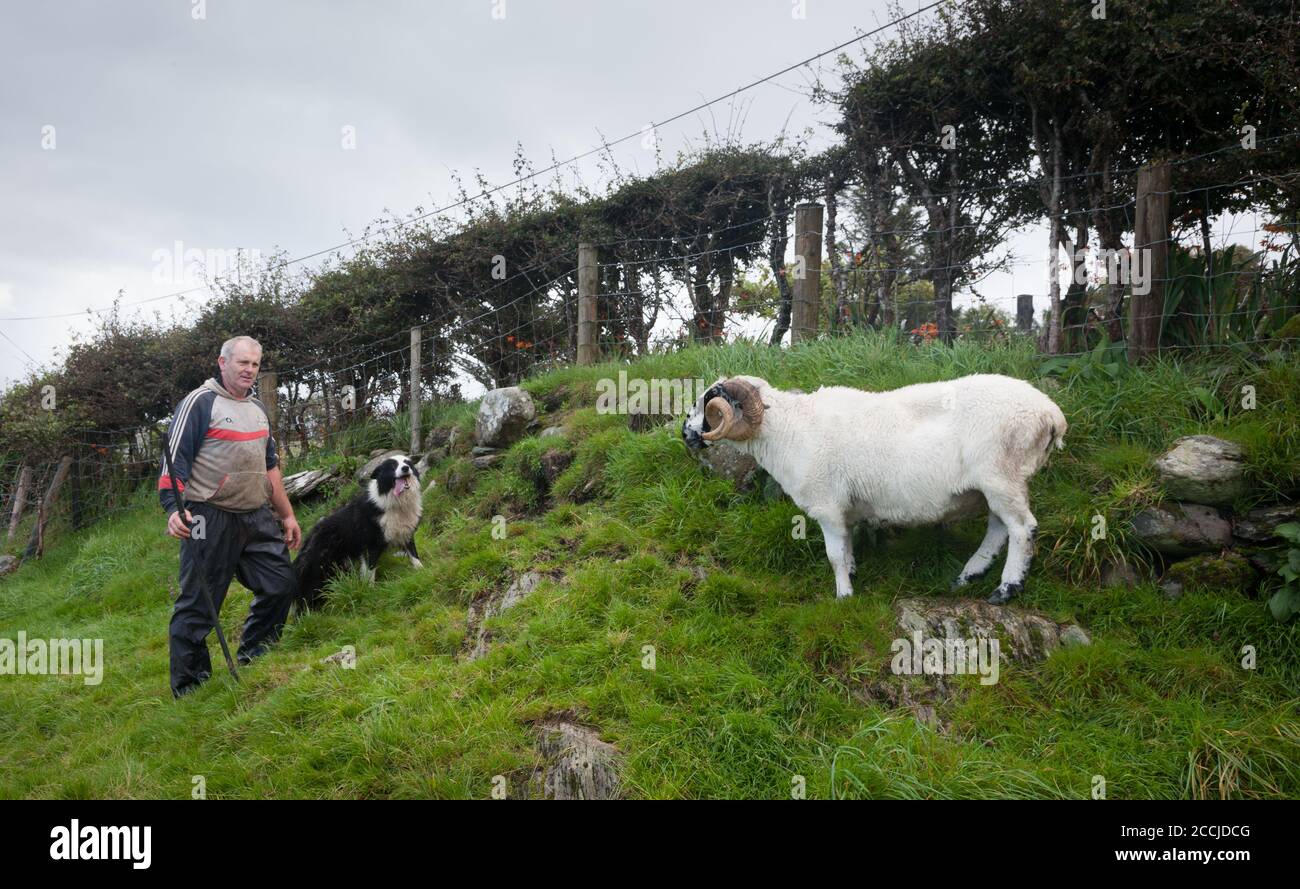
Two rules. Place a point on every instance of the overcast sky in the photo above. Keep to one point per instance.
(129, 128)
(226, 131)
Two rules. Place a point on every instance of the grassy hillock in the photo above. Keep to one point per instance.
(759, 675)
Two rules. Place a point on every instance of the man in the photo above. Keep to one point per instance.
(226, 468)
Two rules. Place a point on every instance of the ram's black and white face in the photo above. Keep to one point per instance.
(695, 425)
(697, 422)
(743, 394)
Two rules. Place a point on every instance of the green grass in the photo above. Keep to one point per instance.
(759, 675)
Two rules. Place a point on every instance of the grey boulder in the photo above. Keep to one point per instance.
(504, 415)
(1203, 469)
(1182, 529)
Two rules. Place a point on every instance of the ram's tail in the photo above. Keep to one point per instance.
(1058, 430)
(1046, 432)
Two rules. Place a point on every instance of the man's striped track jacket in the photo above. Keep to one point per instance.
(221, 449)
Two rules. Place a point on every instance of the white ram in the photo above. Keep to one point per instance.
(919, 455)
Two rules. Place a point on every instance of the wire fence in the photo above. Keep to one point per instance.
(1236, 288)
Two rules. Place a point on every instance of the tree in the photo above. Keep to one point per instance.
(925, 105)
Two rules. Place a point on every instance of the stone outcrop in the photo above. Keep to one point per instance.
(579, 765)
(1023, 636)
(1182, 529)
(729, 462)
(1260, 525)
(490, 604)
(1228, 570)
(1203, 469)
(504, 415)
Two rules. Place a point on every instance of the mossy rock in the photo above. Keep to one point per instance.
(458, 478)
(1229, 570)
(554, 399)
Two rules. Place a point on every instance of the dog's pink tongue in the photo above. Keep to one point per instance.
(401, 486)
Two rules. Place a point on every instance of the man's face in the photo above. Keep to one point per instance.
(239, 373)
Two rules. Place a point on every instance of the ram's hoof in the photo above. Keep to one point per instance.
(966, 579)
(1004, 593)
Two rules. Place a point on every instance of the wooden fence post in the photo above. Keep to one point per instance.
(806, 296)
(588, 284)
(78, 507)
(268, 392)
(1025, 312)
(1151, 249)
(20, 501)
(327, 402)
(36, 543)
(415, 390)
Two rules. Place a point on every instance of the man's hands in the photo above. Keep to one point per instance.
(176, 528)
(292, 533)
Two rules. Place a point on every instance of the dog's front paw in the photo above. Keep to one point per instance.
(416, 563)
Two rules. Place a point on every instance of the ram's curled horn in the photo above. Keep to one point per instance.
(723, 419)
(720, 416)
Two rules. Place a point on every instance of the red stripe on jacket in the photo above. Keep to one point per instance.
(232, 435)
(165, 484)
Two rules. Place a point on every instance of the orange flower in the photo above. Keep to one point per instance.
(928, 330)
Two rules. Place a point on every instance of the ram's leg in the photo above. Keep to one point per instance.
(837, 550)
(994, 539)
(1013, 509)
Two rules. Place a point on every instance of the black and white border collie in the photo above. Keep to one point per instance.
(386, 515)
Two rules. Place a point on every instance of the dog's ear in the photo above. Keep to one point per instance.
(375, 473)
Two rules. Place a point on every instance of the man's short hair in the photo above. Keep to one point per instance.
(228, 347)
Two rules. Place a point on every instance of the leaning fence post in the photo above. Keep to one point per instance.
(415, 390)
(20, 501)
(36, 544)
(588, 271)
